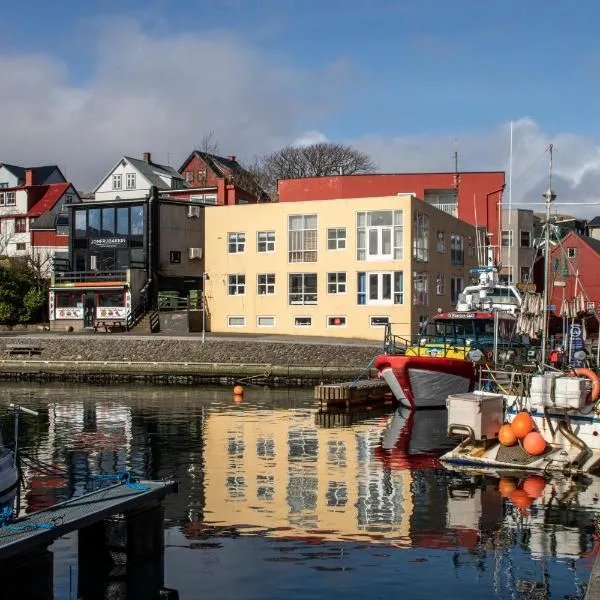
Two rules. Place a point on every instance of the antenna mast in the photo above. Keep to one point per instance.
(510, 162)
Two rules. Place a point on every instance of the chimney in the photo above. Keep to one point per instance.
(231, 158)
(28, 177)
(147, 157)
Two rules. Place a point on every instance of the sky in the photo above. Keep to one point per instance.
(410, 83)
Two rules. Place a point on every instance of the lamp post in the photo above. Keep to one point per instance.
(549, 196)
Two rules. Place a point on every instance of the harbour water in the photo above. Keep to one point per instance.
(279, 500)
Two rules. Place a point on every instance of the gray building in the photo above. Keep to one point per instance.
(519, 230)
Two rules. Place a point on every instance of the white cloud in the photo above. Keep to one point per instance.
(310, 137)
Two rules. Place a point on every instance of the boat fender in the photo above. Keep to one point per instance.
(583, 372)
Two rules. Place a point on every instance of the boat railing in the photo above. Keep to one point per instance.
(506, 380)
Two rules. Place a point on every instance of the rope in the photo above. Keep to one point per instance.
(123, 477)
(367, 368)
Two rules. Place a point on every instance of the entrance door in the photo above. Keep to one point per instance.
(89, 309)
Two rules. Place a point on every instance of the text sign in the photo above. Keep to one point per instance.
(114, 242)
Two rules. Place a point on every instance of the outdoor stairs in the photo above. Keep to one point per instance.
(149, 323)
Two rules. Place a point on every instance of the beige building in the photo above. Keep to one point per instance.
(343, 268)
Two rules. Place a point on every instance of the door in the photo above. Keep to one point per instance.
(89, 309)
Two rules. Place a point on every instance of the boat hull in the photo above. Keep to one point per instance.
(9, 474)
(425, 381)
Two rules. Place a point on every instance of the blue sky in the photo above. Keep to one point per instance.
(378, 74)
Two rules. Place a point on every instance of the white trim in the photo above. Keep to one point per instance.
(266, 317)
(236, 317)
(336, 317)
(302, 317)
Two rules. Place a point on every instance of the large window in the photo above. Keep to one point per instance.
(385, 287)
(302, 288)
(265, 241)
(456, 287)
(108, 221)
(420, 289)
(457, 253)
(379, 235)
(441, 242)
(336, 238)
(421, 237)
(440, 284)
(137, 220)
(265, 284)
(236, 285)
(236, 242)
(110, 299)
(94, 222)
(67, 299)
(336, 283)
(302, 238)
(122, 221)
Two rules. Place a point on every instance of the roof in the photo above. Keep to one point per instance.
(591, 242)
(47, 221)
(149, 171)
(219, 164)
(50, 195)
(595, 222)
(40, 174)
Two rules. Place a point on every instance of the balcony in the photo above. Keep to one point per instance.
(67, 278)
(450, 208)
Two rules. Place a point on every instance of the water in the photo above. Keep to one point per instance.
(278, 501)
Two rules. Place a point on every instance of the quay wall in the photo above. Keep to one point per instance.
(123, 359)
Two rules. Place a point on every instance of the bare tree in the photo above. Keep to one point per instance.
(209, 143)
(315, 160)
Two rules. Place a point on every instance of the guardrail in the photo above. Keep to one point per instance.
(88, 276)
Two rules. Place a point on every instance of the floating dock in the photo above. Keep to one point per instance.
(351, 393)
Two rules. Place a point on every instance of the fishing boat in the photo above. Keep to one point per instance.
(445, 356)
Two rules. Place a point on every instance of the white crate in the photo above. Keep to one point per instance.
(483, 413)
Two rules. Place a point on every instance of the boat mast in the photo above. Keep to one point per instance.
(549, 197)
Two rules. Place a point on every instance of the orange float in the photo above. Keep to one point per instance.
(506, 435)
(520, 499)
(534, 486)
(507, 486)
(522, 424)
(238, 390)
(582, 372)
(534, 443)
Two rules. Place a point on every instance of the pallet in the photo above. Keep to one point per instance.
(351, 392)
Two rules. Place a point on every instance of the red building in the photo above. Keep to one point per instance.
(216, 179)
(473, 197)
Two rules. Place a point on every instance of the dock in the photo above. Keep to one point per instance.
(122, 520)
(593, 587)
(351, 393)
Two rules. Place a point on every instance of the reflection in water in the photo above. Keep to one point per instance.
(271, 486)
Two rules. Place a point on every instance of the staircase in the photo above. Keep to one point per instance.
(148, 323)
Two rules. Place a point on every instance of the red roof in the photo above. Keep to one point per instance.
(45, 197)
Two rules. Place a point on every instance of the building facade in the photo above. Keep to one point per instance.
(519, 230)
(474, 197)
(341, 268)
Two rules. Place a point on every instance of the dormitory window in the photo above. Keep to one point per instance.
(236, 242)
(336, 238)
(336, 283)
(421, 289)
(302, 288)
(266, 284)
(117, 181)
(379, 235)
(236, 285)
(130, 181)
(302, 238)
(456, 249)
(380, 287)
(421, 237)
(265, 241)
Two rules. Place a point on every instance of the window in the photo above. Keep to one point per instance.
(421, 237)
(336, 321)
(440, 284)
(20, 225)
(175, 257)
(110, 299)
(10, 198)
(108, 221)
(302, 238)
(67, 299)
(236, 285)
(336, 283)
(94, 222)
(336, 238)
(456, 287)
(236, 321)
(236, 242)
(117, 182)
(376, 287)
(3, 184)
(189, 176)
(302, 288)
(21, 246)
(201, 175)
(130, 181)
(379, 235)
(137, 220)
(420, 289)
(441, 242)
(265, 321)
(210, 198)
(265, 241)
(571, 252)
(265, 284)
(456, 249)
(378, 321)
(506, 275)
(524, 274)
(302, 321)
(507, 236)
(2, 198)
(525, 239)
(69, 199)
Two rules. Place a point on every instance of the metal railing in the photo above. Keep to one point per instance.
(450, 208)
(88, 276)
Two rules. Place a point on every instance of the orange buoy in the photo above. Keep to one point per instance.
(520, 499)
(238, 390)
(534, 443)
(534, 486)
(237, 398)
(506, 435)
(507, 486)
(581, 372)
(522, 424)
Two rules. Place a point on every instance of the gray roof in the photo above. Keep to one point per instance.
(40, 174)
(595, 222)
(148, 170)
(45, 221)
(593, 243)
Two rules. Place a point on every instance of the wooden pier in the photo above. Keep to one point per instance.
(351, 393)
(118, 523)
